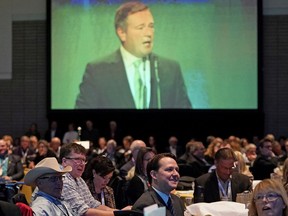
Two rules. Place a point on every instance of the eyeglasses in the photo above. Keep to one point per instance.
(53, 179)
(271, 197)
(78, 160)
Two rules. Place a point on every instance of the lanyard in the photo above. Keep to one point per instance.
(3, 167)
(102, 198)
(225, 195)
(24, 155)
(3, 162)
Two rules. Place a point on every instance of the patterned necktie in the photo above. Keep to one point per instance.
(170, 206)
(138, 85)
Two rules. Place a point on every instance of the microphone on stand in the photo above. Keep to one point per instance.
(158, 82)
(145, 106)
(144, 62)
(79, 133)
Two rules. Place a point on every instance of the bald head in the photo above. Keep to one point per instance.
(55, 143)
(135, 146)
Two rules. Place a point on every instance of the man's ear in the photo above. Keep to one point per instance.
(153, 174)
(64, 164)
(121, 34)
(93, 172)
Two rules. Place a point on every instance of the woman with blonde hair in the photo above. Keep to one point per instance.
(269, 198)
(213, 147)
(241, 165)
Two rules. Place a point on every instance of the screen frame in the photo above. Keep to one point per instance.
(198, 116)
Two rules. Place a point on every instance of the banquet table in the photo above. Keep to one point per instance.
(221, 208)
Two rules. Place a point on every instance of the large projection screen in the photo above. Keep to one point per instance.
(215, 43)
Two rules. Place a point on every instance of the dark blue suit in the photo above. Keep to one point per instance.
(105, 85)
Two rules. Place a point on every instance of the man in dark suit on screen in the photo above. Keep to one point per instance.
(133, 76)
(163, 175)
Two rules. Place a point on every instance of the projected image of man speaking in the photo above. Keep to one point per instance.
(133, 77)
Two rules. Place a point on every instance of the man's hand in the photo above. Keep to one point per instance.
(127, 208)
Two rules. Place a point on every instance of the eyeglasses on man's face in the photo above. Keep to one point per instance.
(53, 179)
(78, 160)
(270, 197)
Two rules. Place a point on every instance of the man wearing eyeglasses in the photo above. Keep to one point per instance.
(224, 182)
(47, 176)
(75, 191)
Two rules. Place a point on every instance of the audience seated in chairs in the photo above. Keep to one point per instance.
(163, 176)
(250, 154)
(43, 152)
(26, 153)
(194, 160)
(11, 166)
(174, 147)
(75, 190)
(265, 162)
(70, 136)
(280, 154)
(241, 166)
(139, 183)
(47, 176)
(112, 154)
(98, 174)
(9, 141)
(124, 152)
(102, 146)
(223, 183)
(55, 146)
(128, 169)
(11, 169)
(211, 150)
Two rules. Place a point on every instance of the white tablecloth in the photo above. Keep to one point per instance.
(221, 208)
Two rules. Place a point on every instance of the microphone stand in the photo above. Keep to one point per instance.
(158, 93)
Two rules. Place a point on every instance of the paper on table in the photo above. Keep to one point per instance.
(154, 210)
(221, 208)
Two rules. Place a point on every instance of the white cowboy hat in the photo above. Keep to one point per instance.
(48, 165)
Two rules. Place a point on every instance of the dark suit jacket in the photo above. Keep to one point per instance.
(135, 189)
(48, 137)
(30, 154)
(263, 166)
(179, 150)
(15, 167)
(208, 181)
(196, 165)
(105, 85)
(151, 197)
